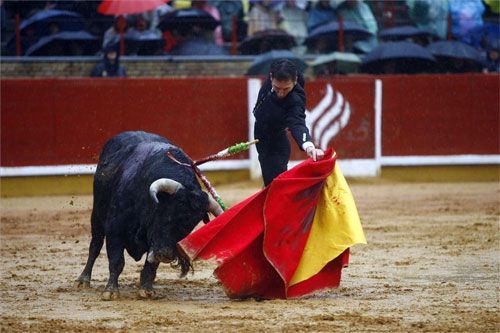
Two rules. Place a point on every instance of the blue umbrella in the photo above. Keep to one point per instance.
(406, 57)
(330, 30)
(267, 40)
(42, 21)
(197, 46)
(262, 63)
(403, 32)
(454, 49)
(66, 43)
(454, 56)
(395, 50)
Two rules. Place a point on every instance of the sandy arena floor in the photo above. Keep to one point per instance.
(431, 265)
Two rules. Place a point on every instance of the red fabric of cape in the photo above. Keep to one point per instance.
(258, 243)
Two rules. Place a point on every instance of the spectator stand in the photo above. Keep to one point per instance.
(441, 19)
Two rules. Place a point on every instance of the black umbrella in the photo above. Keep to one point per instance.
(183, 19)
(147, 43)
(23, 8)
(454, 56)
(398, 57)
(66, 43)
(197, 46)
(331, 30)
(262, 63)
(267, 40)
(9, 49)
(403, 32)
(42, 21)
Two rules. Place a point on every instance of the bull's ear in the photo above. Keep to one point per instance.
(197, 200)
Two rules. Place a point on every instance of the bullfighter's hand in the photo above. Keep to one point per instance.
(315, 153)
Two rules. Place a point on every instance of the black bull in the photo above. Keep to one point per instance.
(144, 202)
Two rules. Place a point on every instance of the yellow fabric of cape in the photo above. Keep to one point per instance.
(336, 227)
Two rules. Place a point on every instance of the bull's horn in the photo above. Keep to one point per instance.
(151, 257)
(163, 185)
(214, 207)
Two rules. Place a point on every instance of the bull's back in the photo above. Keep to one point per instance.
(121, 144)
(114, 159)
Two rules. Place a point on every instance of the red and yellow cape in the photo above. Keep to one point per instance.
(288, 240)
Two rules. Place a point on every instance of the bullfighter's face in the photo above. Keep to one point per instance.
(282, 87)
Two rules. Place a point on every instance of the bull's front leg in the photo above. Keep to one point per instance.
(148, 275)
(116, 259)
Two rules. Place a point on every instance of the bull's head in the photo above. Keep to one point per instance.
(176, 219)
(171, 186)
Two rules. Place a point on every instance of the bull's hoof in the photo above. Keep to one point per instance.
(81, 284)
(147, 293)
(110, 295)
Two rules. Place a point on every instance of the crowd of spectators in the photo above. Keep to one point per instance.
(309, 27)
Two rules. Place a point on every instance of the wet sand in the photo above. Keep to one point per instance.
(431, 265)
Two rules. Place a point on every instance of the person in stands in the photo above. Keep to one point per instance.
(109, 66)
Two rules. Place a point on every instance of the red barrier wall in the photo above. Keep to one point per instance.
(67, 121)
(440, 115)
(356, 140)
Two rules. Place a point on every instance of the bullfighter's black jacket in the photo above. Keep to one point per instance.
(273, 116)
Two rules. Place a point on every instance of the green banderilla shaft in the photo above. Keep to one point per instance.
(237, 148)
(203, 179)
(209, 187)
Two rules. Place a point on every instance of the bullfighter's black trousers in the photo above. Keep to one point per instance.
(274, 154)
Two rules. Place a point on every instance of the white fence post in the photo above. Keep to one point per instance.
(378, 124)
(253, 86)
